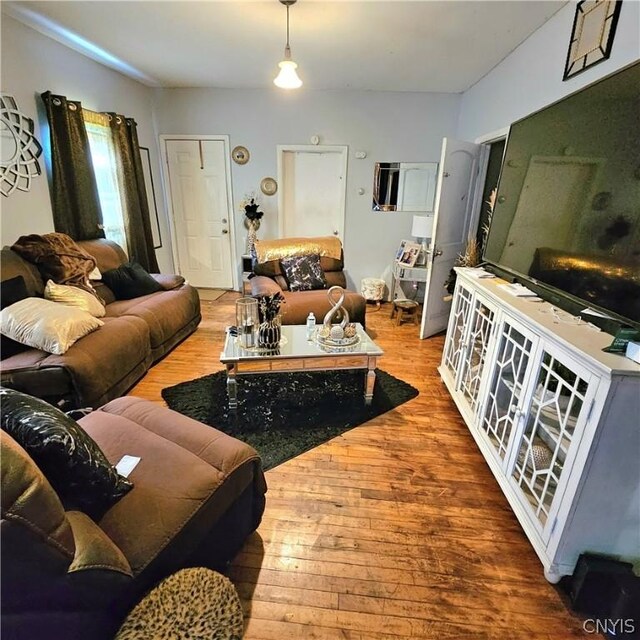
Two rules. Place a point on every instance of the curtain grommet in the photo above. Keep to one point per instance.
(57, 102)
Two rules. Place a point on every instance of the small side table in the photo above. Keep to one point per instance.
(410, 274)
(401, 307)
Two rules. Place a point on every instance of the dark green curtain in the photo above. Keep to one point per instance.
(134, 196)
(74, 193)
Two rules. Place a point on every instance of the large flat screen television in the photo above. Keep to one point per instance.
(567, 216)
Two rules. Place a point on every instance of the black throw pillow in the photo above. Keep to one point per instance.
(11, 291)
(130, 280)
(304, 273)
(69, 458)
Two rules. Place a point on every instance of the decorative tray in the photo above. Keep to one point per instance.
(339, 342)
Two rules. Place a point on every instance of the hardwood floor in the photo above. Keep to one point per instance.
(396, 529)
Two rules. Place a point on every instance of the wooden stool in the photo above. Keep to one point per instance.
(401, 307)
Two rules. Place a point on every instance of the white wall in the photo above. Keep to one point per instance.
(531, 76)
(388, 126)
(32, 64)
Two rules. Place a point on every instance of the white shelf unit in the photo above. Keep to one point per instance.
(556, 418)
(405, 274)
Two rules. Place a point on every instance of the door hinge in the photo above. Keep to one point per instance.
(593, 401)
(553, 526)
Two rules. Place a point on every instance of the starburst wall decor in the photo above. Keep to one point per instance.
(19, 149)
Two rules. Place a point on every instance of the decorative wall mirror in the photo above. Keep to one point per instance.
(19, 149)
(404, 186)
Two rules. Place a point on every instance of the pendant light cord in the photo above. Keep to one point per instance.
(287, 48)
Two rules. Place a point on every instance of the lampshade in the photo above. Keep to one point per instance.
(288, 77)
(422, 226)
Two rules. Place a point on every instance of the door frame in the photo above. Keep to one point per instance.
(166, 183)
(281, 149)
(485, 143)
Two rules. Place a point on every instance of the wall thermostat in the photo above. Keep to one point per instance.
(315, 139)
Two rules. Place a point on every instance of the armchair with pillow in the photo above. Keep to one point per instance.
(80, 544)
(302, 269)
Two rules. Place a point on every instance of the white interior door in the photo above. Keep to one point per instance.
(199, 194)
(312, 191)
(451, 225)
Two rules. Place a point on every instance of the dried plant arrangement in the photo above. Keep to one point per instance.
(473, 251)
(269, 306)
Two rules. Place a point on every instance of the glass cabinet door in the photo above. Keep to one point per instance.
(552, 425)
(474, 354)
(455, 337)
(503, 405)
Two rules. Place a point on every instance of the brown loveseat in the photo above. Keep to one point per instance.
(197, 495)
(269, 278)
(106, 363)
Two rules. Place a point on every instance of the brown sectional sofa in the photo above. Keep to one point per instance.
(269, 279)
(197, 495)
(106, 363)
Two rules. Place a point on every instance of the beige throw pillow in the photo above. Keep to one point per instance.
(46, 325)
(74, 297)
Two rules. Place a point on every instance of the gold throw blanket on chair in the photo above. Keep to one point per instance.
(325, 246)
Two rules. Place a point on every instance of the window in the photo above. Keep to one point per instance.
(105, 168)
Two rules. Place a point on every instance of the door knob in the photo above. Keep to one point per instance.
(224, 221)
(437, 252)
(224, 231)
(335, 233)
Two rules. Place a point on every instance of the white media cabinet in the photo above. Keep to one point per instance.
(556, 418)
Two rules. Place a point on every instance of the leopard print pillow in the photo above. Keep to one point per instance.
(197, 604)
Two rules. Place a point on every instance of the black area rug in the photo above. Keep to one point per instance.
(283, 415)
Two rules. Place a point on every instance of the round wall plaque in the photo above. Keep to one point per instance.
(268, 186)
(240, 155)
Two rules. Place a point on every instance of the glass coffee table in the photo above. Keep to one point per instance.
(297, 353)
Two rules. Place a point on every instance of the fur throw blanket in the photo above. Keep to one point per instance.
(58, 258)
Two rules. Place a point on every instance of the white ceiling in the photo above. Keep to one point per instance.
(443, 46)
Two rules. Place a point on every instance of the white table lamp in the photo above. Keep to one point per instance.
(421, 230)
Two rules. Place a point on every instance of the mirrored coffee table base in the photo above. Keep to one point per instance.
(299, 354)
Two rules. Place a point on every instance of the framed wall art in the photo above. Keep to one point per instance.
(594, 27)
(19, 148)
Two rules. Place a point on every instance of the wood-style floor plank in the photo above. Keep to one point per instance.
(395, 529)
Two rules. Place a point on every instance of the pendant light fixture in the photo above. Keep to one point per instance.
(288, 77)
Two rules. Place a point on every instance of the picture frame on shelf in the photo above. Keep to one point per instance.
(407, 253)
(594, 27)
